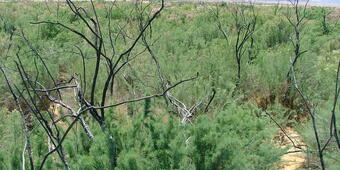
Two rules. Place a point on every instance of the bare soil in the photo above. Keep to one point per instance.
(295, 158)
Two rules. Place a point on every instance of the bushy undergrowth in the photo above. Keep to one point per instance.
(229, 139)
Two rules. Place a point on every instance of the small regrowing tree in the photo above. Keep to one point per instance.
(325, 27)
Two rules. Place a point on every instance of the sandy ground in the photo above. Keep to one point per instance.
(295, 158)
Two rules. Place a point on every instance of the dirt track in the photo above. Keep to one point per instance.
(295, 158)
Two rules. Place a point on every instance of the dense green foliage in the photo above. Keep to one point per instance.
(234, 134)
(217, 141)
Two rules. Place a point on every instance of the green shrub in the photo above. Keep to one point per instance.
(233, 138)
(49, 31)
(277, 31)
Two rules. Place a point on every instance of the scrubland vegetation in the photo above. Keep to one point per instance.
(122, 85)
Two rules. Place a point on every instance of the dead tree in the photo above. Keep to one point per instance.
(244, 25)
(296, 20)
(252, 53)
(295, 16)
(109, 62)
(27, 146)
(186, 113)
(333, 126)
(313, 115)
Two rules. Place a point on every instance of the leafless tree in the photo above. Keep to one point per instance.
(313, 115)
(24, 118)
(244, 25)
(185, 112)
(333, 126)
(296, 20)
(252, 53)
(109, 62)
